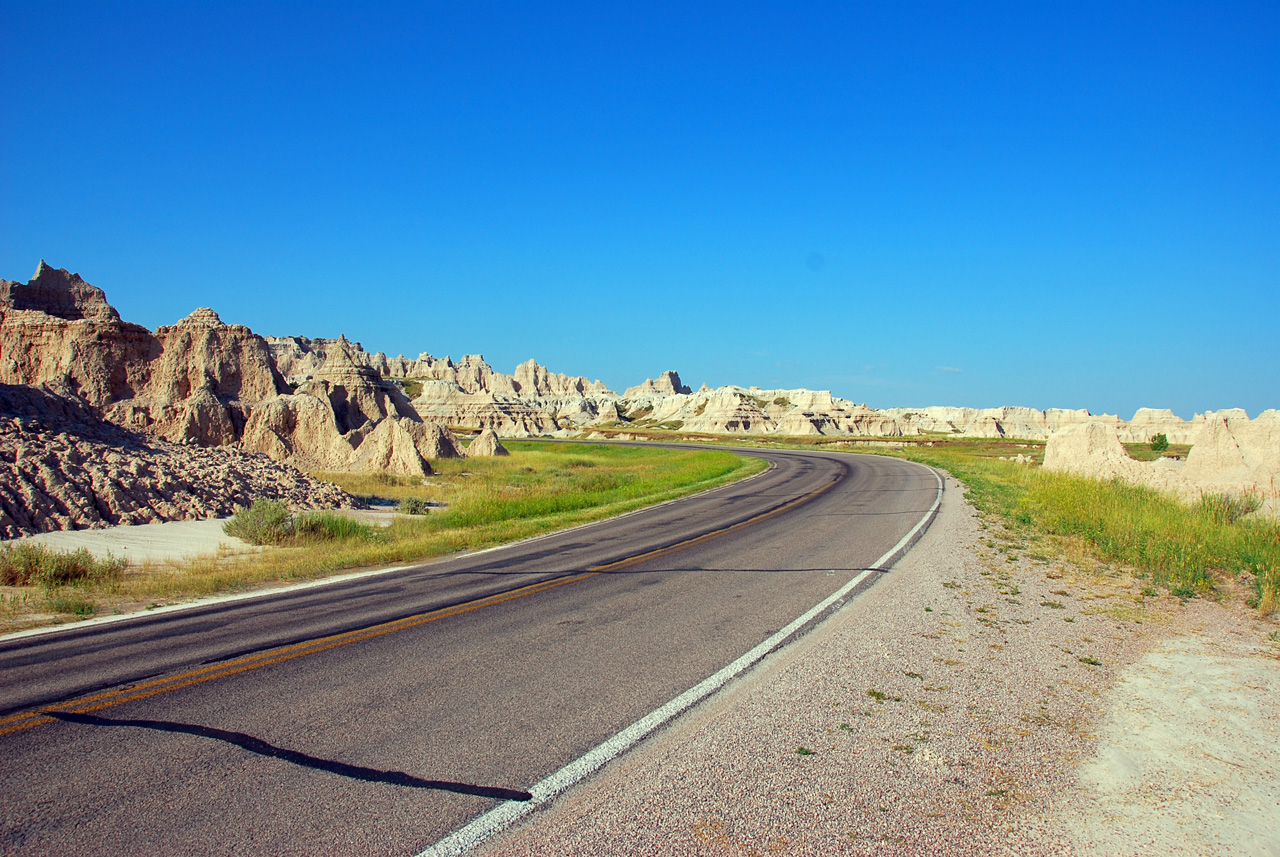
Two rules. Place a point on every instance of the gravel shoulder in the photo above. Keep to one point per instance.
(978, 699)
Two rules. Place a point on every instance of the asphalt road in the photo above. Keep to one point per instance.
(375, 715)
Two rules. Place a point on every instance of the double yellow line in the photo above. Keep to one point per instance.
(129, 693)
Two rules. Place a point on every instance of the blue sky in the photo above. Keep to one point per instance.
(1044, 204)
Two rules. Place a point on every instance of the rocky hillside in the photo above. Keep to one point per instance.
(535, 401)
(64, 468)
(204, 382)
(1230, 454)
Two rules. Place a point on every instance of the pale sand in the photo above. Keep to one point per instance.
(143, 543)
(172, 540)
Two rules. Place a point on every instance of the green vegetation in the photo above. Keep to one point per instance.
(1148, 452)
(63, 579)
(413, 506)
(267, 522)
(1159, 442)
(473, 503)
(1185, 548)
(28, 564)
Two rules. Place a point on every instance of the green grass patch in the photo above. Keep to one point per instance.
(1180, 546)
(1145, 452)
(30, 564)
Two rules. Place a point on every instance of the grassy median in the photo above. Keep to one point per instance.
(470, 504)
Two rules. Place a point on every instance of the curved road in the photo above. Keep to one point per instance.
(377, 714)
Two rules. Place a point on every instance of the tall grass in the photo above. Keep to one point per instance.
(1182, 546)
(30, 564)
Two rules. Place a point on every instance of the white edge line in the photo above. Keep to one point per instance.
(508, 812)
(355, 575)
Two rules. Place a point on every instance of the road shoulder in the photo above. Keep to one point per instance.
(955, 707)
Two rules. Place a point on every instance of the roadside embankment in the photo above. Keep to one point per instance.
(957, 707)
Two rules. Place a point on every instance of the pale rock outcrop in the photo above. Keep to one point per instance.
(666, 384)
(58, 332)
(1237, 455)
(58, 293)
(1091, 449)
(303, 430)
(486, 444)
(1149, 422)
(205, 382)
(1232, 455)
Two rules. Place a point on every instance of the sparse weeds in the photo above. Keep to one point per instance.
(413, 506)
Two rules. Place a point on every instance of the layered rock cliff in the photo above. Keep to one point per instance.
(207, 383)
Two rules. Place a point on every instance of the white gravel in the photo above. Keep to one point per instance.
(948, 711)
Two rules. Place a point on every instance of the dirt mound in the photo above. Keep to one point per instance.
(63, 468)
(486, 444)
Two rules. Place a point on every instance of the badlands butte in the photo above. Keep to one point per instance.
(105, 422)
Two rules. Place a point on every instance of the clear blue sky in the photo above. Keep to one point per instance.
(1044, 204)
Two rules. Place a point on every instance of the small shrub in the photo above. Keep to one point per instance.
(1159, 442)
(1228, 508)
(266, 522)
(29, 564)
(329, 526)
(413, 506)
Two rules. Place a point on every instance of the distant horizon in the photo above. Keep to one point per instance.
(621, 388)
(1007, 205)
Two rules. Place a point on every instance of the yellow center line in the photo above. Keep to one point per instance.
(129, 693)
(27, 719)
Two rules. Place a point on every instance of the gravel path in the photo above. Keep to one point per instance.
(946, 711)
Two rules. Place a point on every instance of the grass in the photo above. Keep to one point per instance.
(475, 503)
(1185, 548)
(44, 580)
(28, 564)
(1144, 452)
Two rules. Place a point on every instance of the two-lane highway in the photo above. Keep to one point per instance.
(377, 714)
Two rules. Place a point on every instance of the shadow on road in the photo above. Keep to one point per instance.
(262, 748)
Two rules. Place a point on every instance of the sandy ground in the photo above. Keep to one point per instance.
(1188, 760)
(977, 700)
(172, 540)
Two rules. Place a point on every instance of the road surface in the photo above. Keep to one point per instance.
(376, 715)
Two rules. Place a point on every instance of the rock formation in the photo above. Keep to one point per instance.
(63, 468)
(485, 445)
(204, 382)
(1230, 455)
(666, 384)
